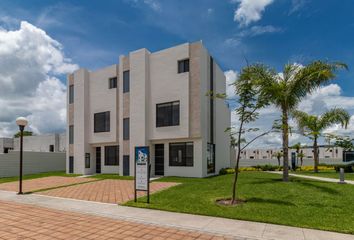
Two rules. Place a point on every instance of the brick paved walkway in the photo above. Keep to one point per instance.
(21, 221)
(43, 183)
(106, 191)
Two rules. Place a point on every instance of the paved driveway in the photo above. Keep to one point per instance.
(106, 191)
(43, 183)
(21, 221)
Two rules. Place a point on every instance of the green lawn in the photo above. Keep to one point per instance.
(300, 202)
(37, 175)
(327, 174)
(111, 176)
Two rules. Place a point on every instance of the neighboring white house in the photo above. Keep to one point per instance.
(149, 99)
(37, 143)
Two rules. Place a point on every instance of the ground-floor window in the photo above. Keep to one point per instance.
(181, 154)
(211, 157)
(87, 160)
(111, 157)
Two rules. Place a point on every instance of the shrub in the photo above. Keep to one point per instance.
(267, 167)
(320, 168)
(347, 168)
(222, 171)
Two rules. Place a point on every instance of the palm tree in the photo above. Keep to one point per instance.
(301, 156)
(278, 155)
(287, 89)
(312, 126)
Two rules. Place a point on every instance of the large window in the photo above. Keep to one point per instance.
(183, 66)
(126, 129)
(126, 80)
(112, 82)
(181, 154)
(71, 134)
(101, 122)
(111, 156)
(71, 94)
(211, 157)
(167, 114)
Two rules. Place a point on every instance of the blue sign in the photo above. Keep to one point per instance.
(141, 155)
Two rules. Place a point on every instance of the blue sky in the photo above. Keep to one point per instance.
(275, 32)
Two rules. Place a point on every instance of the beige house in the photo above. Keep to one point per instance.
(149, 99)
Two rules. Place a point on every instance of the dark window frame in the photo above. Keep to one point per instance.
(171, 120)
(71, 93)
(87, 160)
(108, 160)
(71, 134)
(112, 82)
(185, 162)
(51, 148)
(126, 128)
(183, 65)
(126, 81)
(102, 127)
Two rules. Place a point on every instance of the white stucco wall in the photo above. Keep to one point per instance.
(38, 143)
(33, 162)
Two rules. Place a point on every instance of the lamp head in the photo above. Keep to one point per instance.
(21, 122)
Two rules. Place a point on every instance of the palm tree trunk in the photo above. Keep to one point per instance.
(315, 155)
(285, 128)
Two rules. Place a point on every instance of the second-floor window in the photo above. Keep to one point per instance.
(167, 114)
(71, 94)
(112, 83)
(126, 81)
(102, 122)
(183, 66)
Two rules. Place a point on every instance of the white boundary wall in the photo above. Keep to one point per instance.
(33, 162)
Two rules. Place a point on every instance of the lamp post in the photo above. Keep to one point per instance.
(21, 123)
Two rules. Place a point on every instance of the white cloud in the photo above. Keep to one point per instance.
(297, 5)
(153, 4)
(30, 64)
(250, 10)
(231, 76)
(259, 30)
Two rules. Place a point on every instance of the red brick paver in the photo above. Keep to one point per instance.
(43, 183)
(106, 191)
(20, 221)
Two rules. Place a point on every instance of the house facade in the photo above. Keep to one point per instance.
(154, 99)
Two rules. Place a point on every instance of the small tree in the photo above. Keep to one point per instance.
(297, 148)
(25, 133)
(249, 101)
(301, 156)
(278, 155)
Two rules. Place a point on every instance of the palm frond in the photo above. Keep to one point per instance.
(334, 116)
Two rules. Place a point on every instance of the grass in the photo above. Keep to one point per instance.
(111, 176)
(37, 175)
(300, 202)
(327, 174)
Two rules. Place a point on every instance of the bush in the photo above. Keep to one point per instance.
(347, 168)
(268, 167)
(223, 171)
(320, 168)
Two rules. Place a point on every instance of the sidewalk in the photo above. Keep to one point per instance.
(333, 180)
(212, 225)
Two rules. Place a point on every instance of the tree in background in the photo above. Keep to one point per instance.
(287, 89)
(301, 156)
(297, 148)
(312, 126)
(25, 133)
(278, 155)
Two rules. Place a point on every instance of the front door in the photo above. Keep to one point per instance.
(159, 159)
(98, 159)
(126, 167)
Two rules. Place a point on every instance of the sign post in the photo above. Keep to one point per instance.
(142, 171)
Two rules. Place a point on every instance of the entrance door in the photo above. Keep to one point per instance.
(126, 167)
(159, 159)
(98, 159)
(71, 164)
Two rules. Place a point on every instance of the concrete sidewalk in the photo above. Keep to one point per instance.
(213, 225)
(324, 179)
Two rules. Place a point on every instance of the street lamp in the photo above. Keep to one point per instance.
(21, 123)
